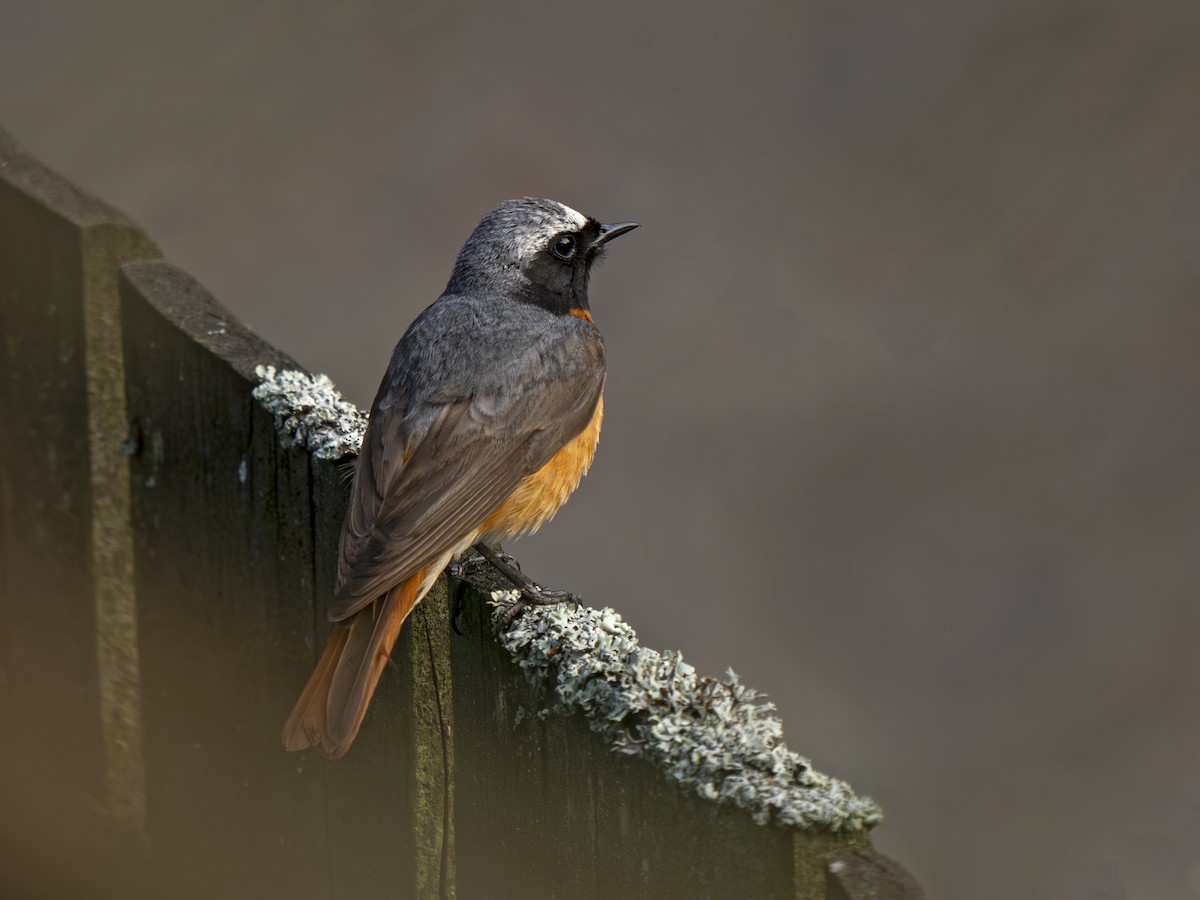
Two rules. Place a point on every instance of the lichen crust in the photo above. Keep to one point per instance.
(310, 413)
(717, 737)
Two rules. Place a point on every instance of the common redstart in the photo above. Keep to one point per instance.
(486, 420)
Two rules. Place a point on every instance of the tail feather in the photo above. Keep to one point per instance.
(305, 727)
(372, 636)
(332, 706)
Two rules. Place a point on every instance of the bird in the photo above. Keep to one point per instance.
(485, 421)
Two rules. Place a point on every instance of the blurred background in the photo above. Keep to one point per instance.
(903, 412)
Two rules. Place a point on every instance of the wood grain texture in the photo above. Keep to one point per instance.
(235, 558)
(547, 808)
(71, 764)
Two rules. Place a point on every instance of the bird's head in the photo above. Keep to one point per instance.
(537, 250)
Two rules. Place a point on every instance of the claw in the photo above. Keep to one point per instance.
(531, 594)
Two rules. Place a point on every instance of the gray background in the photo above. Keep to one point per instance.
(903, 394)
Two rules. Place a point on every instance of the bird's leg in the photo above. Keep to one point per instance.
(459, 566)
(537, 596)
(531, 594)
(456, 574)
(457, 591)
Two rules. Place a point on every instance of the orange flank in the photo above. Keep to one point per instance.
(537, 497)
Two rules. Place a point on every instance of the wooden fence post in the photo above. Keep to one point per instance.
(71, 760)
(235, 554)
(550, 805)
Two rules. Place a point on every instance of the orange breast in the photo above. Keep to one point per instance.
(538, 496)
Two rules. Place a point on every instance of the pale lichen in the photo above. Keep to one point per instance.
(309, 412)
(717, 738)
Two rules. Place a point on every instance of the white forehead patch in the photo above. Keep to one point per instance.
(531, 242)
(577, 219)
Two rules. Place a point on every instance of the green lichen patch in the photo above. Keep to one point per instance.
(716, 737)
(310, 412)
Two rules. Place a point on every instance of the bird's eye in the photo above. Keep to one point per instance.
(564, 246)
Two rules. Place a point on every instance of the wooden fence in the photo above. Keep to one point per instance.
(167, 543)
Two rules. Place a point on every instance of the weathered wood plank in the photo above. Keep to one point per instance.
(424, 661)
(224, 572)
(373, 809)
(69, 688)
(236, 552)
(546, 807)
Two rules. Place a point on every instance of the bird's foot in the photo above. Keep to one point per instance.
(527, 599)
(529, 594)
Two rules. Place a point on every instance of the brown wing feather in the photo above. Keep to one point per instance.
(406, 512)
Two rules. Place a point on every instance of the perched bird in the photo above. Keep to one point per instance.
(486, 420)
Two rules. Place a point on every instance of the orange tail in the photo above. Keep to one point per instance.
(331, 708)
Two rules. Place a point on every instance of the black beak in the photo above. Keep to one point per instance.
(608, 232)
